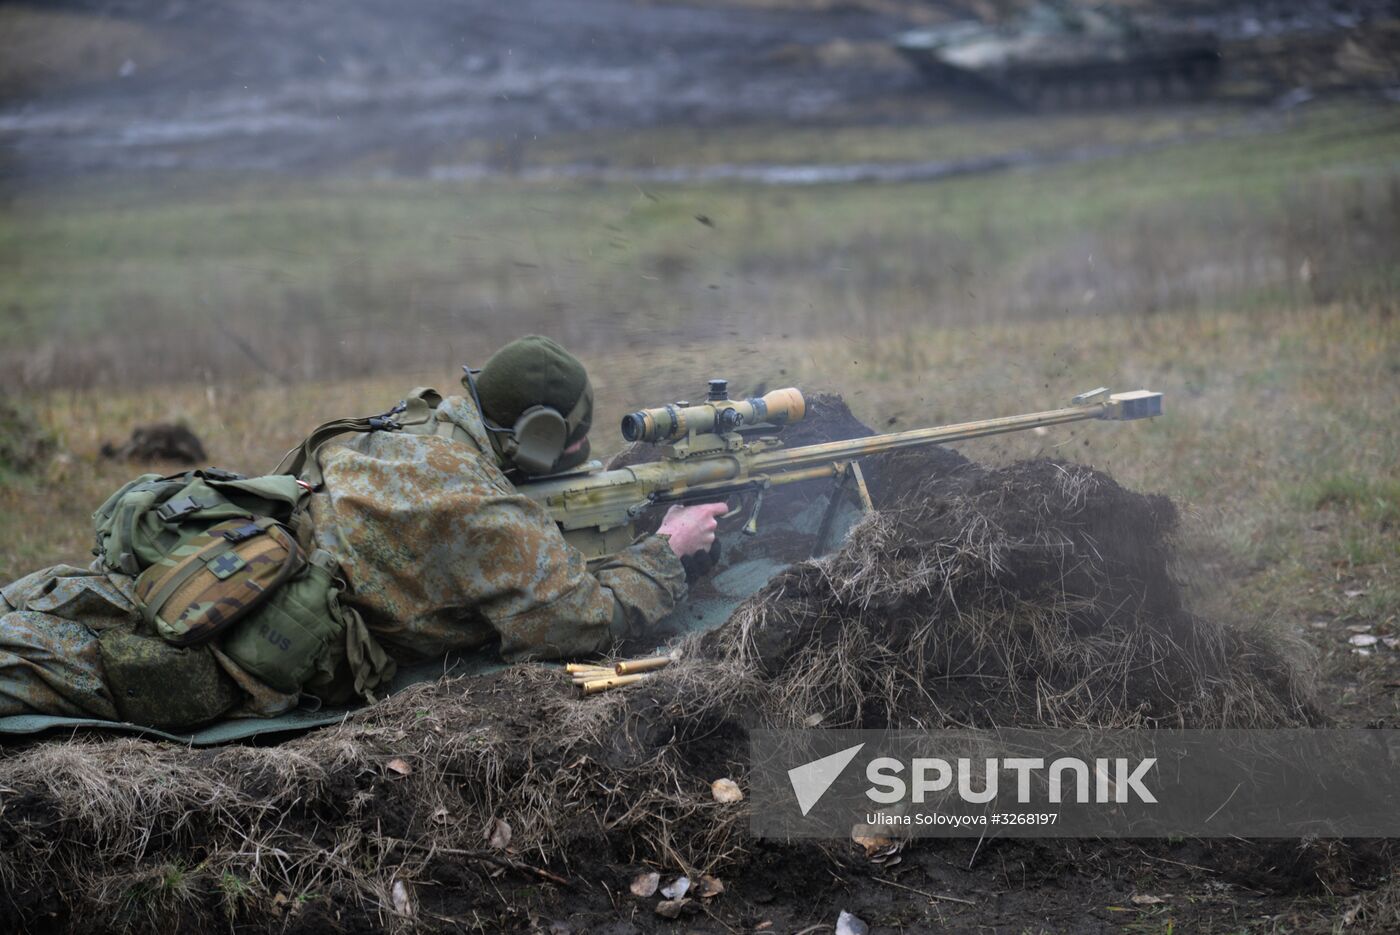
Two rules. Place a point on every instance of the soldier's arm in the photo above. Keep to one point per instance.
(546, 604)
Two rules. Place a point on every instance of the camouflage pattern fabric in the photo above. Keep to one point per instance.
(50, 621)
(160, 685)
(214, 578)
(442, 554)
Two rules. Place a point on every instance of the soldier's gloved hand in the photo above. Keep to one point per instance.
(692, 528)
(699, 564)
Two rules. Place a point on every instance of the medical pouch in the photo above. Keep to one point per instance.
(217, 577)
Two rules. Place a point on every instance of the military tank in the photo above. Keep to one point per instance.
(1065, 55)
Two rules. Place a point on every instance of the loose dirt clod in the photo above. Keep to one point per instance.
(644, 885)
(160, 441)
(726, 791)
(1038, 594)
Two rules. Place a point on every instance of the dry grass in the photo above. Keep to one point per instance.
(1259, 406)
(1038, 595)
(139, 833)
(323, 821)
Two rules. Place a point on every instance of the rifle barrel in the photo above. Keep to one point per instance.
(791, 459)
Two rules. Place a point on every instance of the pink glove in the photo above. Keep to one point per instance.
(692, 528)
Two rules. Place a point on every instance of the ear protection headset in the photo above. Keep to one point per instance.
(540, 434)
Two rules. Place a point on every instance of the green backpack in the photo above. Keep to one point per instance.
(199, 545)
(148, 517)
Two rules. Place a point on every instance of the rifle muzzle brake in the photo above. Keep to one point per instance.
(714, 416)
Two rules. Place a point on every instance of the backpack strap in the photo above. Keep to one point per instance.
(118, 519)
(416, 409)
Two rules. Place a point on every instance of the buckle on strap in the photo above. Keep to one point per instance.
(386, 420)
(242, 533)
(180, 507)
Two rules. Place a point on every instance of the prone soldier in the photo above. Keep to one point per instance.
(420, 544)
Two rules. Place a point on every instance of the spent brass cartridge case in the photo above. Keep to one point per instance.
(649, 664)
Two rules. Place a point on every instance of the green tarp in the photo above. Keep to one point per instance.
(245, 728)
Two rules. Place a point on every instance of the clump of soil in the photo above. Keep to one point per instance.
(24, 445)
(161, 441)
(1031, 595)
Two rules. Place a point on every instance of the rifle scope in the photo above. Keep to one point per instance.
(719, 415)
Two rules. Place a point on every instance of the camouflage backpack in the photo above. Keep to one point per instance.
(224, 568)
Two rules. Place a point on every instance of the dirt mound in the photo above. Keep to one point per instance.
(1036, 594)
(24, 445)
(161, 441)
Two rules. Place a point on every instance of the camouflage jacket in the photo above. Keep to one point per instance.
(443, 554)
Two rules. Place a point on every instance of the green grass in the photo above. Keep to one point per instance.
(238, 893)
(329, 277)
(1360, 512)
(1370, 499)
(944, 139)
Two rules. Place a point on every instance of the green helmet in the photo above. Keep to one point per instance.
(536, 400)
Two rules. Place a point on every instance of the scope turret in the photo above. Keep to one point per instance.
(718, 415)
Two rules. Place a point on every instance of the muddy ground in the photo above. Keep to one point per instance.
(315, 85)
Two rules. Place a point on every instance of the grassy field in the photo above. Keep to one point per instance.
(293, 279)
(967, 137)
(1250, 276)
(1280, 441)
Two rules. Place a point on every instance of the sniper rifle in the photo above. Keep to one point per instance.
(722, 447)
